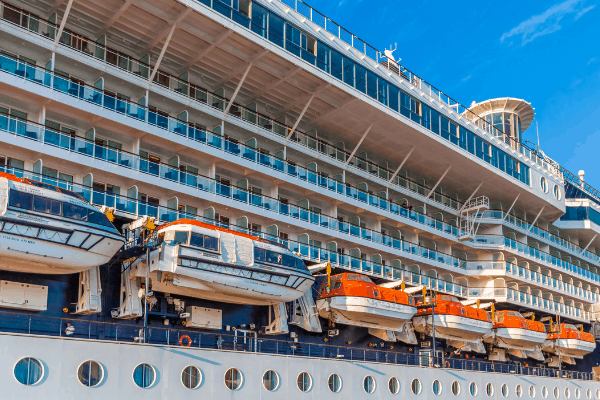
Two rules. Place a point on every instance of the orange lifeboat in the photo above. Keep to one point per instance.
(453, 320)
(568, 341)
(354, 299)
(512, 331)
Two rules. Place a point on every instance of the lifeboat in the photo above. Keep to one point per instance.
(353, 299)
(453, 320)
(512, 331)
(48, 230)
(568, 341)
(200, 260)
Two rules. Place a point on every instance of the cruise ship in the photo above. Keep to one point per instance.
(242, 199)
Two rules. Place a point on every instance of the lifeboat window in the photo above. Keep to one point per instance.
(352, 277)
(72, 194)
(365, 279)
(446, 298)
(207, 242)
(375, 293)
(337, 285)
(462, 311)
(176, 237)
(74, 212)
(273, 257)
(20, 200)
(96, 217)
(501, 319)
(44, 205)
(44, 185)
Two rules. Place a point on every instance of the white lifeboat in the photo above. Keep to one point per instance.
(453, 321)
(512, 331)
(209, 262)
(353, 299)
(568, 341)
(48, 230)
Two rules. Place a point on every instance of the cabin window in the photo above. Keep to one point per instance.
(207, 242)
(90, 373)
(337, 285)
(20, 200)
(176, 237)
(47, 206)
(144, 375)
(191, 377)
(29, 371)
(352, 277)
(233, 379)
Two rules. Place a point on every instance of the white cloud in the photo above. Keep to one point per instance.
(592, 60)
(466, 78)
(546, 22)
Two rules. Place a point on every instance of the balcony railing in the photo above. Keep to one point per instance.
(135, 208)
(534, 277)
(558, 241)
(123, 332)
(210, 99)
(546, 258)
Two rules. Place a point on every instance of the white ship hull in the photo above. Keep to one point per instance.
(453, 327)
(569, 347)
(515, 338)
(365, 312)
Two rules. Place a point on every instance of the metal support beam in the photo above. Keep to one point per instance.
(272, 85)
(207, 50)
(535, 220)
(237, 89)
(334, 110)
(470, 197)
(402, 164)
(300, 117)
(437, 183)
(162, 34)
(588, 245)
(63, 22)
(357, 146)
(300, 100)
(117, 15)
(512, 205)
(162, 54)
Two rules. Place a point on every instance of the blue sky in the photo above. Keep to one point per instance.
(546, 52)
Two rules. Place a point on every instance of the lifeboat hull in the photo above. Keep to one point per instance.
(516, 338)
(365, 312)
(452, 327)
(45, 249)
(225, 283)
(569, 347)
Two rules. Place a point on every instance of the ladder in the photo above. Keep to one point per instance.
(470, 217)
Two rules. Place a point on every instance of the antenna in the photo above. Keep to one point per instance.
(390, 53)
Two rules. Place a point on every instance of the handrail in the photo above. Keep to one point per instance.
(202, 95)
(541, 233)
(164, 214)
(85, 329)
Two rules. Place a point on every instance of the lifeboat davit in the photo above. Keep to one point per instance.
(453, 320)
(48, 230)
(205, 261)
(512, 331)
(353, 299)
(568, 341)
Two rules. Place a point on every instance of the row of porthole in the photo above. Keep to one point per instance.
(544, 186)
(489, 390)
(30, 371)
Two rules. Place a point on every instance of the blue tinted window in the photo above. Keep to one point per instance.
(259, 20)
(20, 200)
(336, 65)
(361, 78)
(394, 98)
(382, 91)
(292, 42)
(276, 29)
(323, 53)
(372, 84)
(349, 72)
(435, 121)
(426, 111)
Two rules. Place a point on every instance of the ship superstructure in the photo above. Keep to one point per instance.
(255, 155)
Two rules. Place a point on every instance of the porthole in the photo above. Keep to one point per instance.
(369, 384)
(504, 390)
(394, 385)
(544, 184)
(544, 392)
(577, 393)
(271, 380)
(304, 382)
(532, 391)
(589, 394)
(455, 388)
(436, 387)
(489, 390)
(598, 394)
(415, 386)
(29, 371)
(144, 376)
(567, 393)
(191, 377)
(473, 389)
(233, 379)
(90, 373)
(335, 383)
(519, 391)
(557, 193)
(556, 392)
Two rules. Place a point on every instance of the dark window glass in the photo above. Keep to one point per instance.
(273, 258)
(394, 98)
(74, 212)
(337, 285)
(260, 254)
(20, 200)
(288, 261)
(349, 72)
(323, 56)
(211, 243)
(197, 240)
(353, 277)
(336, 65)
(371, 84)
(96, 217)
(44, 185)
(382, 91)
(47, 206)
(259, 20)
(365, 279)
(180, 237)
(276, 27)
(361, 78)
